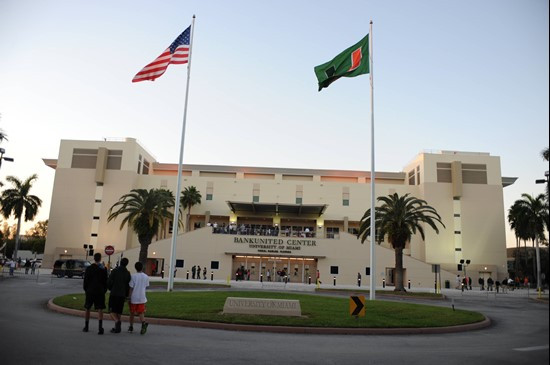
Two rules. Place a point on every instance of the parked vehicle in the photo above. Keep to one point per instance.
(70, 268)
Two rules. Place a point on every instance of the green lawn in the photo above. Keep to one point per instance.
(421, 295)
(317, 311)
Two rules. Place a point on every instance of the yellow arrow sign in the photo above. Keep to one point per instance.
(357, 305)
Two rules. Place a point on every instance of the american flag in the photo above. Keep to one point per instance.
(177, 53)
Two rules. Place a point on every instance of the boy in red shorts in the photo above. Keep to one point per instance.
(138, 283)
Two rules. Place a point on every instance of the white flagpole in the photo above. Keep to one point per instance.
(372, 178)
(175, 224)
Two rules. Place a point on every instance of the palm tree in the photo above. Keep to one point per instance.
(189, 198)
(518, 223)
(545, 154)
(399, 218)
(17, 201)
(143, 210)
(536, 215)
(3, 136)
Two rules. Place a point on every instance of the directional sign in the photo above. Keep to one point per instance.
(109, 250)
(357, 305)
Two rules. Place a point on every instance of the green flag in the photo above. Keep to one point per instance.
(354, 61)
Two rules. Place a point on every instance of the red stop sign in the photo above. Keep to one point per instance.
(109, 250)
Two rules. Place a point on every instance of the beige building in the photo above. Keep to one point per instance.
(275, 219)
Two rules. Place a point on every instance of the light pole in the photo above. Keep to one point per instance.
(537, 250)
(2, 158)
(464, 264)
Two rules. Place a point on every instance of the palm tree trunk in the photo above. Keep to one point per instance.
(399, 270)
(143, 254)
(187, 219)
(17, 238)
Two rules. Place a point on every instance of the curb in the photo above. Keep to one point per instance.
(289, 329)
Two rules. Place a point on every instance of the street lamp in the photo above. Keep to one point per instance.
(537, 251)
(2, 158)
(464, 264)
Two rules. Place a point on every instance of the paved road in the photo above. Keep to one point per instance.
(31, 334)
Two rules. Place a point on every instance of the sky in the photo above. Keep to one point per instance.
(448, 75)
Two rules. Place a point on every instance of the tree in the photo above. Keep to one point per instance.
(144, 211)
(536, 216)
(399, 218)
(40, 229)
(189, 198)
(545, 154)
(17, 201)
(518, 223)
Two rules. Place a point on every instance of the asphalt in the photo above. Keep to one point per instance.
(32, 333)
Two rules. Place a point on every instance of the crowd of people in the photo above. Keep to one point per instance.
(465, 283)
(196, 272)
(260, 230)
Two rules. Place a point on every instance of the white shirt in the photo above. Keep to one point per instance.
(138, 283)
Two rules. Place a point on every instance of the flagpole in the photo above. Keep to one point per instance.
(372, 178)
(175, 224)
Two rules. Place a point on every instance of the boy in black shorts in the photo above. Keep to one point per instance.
(95, 286)
(119, 285)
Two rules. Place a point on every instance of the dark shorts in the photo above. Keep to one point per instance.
(116, 304)
(95, 299)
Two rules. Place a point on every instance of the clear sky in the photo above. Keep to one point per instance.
(449, 75)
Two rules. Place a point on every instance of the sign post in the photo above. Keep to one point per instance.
(357, 306)
(109, 250)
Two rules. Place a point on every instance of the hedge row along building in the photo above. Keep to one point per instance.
(275, 219)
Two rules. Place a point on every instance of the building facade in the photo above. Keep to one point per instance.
(291, 221)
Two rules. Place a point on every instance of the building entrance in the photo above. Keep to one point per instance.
(274, 268)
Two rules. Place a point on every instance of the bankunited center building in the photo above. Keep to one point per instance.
(296, 221)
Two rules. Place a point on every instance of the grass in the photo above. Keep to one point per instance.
(317, 311)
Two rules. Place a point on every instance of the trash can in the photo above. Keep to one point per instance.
(447, 284)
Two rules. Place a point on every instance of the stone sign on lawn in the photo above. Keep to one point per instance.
(268, 307)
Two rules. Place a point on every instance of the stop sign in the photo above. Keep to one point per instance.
(109, 250)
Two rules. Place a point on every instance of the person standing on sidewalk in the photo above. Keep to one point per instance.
(138, 284)
(95, 286)
(119, 285)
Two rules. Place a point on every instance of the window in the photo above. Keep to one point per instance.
(114, 159)
(353, 231)
(457, 232)
(98, 200)
(345, 196)
(474, 173)
(298, 200)
(417, 175)
(139, 164)
(411, 177)
(84, 158)
(367, 271)
(179, 263)
(170, 227)
(256, 193)
(209, 190)
(458, 249)
(94, 234)
(146, 165)
(96, 217)
(444, 174)
(333, 232)
(457, 215)
(334, 270)
(214, 265)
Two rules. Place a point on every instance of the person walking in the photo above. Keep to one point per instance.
(27, 266)
(119, 285)
(95, 286)
(204, 273)
(13, 264)
(198, 272)
(457, 282)
(481, 283)
(268, 274)
(138, 283)
(193, 271)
